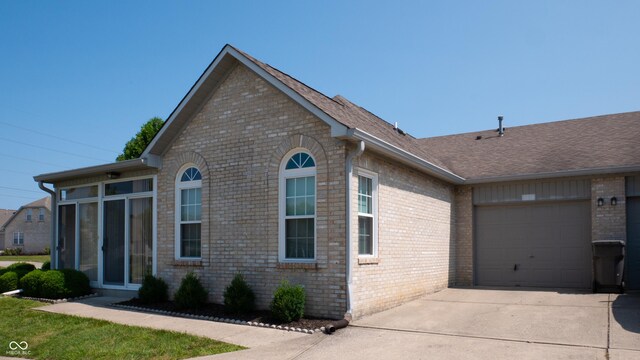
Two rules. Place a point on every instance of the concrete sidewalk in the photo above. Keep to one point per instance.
(5, 264)
(248, 336)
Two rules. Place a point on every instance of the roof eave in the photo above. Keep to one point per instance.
(403, 156)
(127, 165)
(556, 174)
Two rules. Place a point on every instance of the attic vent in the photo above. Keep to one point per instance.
(500, 128)
(396, 128)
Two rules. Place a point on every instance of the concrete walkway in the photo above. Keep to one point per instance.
(4, 264)
(98, 308)
(452, 324)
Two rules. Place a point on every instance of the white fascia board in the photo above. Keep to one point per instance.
(556, 174)
(337, 129)
(393, 151)
(139, 163)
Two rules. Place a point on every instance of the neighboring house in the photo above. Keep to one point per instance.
(256, 173)
(29, 227)
(5, 214)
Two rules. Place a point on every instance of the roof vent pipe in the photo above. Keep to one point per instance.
(395, 126)
(500, 128)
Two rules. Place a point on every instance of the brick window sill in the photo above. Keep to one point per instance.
(187, 263)
(368, 261)
(292, 265)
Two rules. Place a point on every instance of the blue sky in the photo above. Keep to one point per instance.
(78, 78)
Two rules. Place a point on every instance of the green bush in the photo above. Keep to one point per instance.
(55, 284)
(8, 281)
(31, 283)
(12, 251)
(238, 296)
(191, 294)
(153, 290)
(288, 302)
(52, 285)
(46, 265)
(46, 251)
(75, 282)
(22, 266)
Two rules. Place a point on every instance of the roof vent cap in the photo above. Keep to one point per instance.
(500, 128)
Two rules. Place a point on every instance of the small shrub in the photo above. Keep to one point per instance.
(238, 296)
(31, 283)
(8, 281)
(46, 265)
(52, 285)
(288, 302)
(153, 290)
(12, 251)
(21, 268)
(75, 282)
(46, 251)
(191, 294)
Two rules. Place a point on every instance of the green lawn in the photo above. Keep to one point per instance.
(56, 336)
(36, 258)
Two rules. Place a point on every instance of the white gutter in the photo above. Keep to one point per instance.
(404, 156)
(349, 171)
(53, 251)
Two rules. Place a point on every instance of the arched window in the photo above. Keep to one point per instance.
(298, 207)
(188, 213)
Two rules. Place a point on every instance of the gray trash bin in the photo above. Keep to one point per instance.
(608, 265)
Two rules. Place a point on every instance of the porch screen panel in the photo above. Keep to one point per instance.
(114, 231)
(67, 237)
(88, 217)
(140, 239)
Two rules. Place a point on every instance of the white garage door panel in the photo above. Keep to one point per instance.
(545, 245)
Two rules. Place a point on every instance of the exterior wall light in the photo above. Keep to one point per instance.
(600, 201)
(614, 201)
(113, 175)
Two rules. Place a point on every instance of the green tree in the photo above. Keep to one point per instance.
(134, 147)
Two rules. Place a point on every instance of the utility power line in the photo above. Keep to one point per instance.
(50, 149)
(31, 160)
(17, 189)
(58, 137)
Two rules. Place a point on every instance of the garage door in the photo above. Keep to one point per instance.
(633, 243)
(542, 245)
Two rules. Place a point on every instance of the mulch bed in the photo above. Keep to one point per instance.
(218, 310)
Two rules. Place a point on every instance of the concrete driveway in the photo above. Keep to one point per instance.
(483, 324)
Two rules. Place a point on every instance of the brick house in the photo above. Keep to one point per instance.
(29, 227)
(255, 172)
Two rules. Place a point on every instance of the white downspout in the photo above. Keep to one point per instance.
(349, 171)
(54, 212)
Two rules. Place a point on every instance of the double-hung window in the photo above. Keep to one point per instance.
(367, 214)
(188, 214)
(18, 238)
(41, 215)
(29, 214)
(298, 208)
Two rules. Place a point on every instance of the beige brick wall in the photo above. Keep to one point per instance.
(415, 237)
(608, 222)
(463, 215)
(238, 139)
(37, 234)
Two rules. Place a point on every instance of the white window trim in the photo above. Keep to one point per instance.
(374, 204)
(178, 220)
(19, 233)
(41, 214)
(29, 215)
(282, 205)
